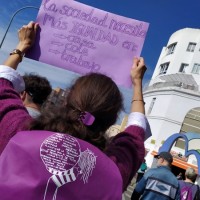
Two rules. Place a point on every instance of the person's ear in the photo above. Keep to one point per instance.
(23, 95)
(162, 160)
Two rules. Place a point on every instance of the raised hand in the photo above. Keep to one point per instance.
(137, 73)
(138, 70)
(26, 35)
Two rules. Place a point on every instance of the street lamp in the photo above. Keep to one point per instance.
(12, 20)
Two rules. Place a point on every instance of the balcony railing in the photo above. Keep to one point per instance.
(177, 84)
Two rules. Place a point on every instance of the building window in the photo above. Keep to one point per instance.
(163, 68)
(171, 48)
(180, 143)
(191, 46)
(153, 141)
(183, 67)
(151, 106)
(196, 68)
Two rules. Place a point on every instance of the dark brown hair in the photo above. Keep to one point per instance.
(94, 93)
(37, 87)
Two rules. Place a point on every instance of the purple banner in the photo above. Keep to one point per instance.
(84, 39)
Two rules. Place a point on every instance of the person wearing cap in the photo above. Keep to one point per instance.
(37, 89)
(158, 183)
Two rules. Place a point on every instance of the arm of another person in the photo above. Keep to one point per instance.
(136, 194)
(197, 195)
(178, 193)
(127, 148)
(13, 115)
(140, 187)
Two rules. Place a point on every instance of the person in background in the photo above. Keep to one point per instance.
(37, 89)
(141, 171)
(63, 153)
(187, 187)
(158, 183)
(180, 176)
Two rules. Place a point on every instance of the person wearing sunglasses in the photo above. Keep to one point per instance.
(158, 183)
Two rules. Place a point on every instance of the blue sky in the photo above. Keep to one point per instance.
(165, 17)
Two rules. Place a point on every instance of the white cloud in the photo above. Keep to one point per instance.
(57, 76)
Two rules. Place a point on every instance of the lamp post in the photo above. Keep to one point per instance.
(12, 20)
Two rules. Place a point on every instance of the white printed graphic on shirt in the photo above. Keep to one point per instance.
(63, 158)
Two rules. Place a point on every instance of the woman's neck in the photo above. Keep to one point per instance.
(188, 180)
(34, 106)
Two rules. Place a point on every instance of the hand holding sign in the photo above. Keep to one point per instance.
(138, 70)
(26, 36)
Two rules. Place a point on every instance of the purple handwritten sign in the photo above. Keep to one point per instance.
(84, 39)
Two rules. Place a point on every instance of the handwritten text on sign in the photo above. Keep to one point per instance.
(84, 39)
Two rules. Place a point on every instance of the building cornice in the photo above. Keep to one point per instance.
(173, 91)
(164, 119)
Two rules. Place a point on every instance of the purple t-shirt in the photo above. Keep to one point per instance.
(192, 186)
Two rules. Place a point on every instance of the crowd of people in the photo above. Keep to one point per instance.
(162, 176)
(161, 183)
(62, 152)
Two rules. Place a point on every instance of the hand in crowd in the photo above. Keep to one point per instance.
(138, 70)
(26, 36)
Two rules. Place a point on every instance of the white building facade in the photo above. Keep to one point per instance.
(174, 89)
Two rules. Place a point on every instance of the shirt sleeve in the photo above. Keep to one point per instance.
(178, 193)
(13, 76)
(139, 119)
(140, 186)
(13, 115)
(127, 148)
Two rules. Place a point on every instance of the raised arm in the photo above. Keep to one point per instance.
(137, 73)
(137, 114)
(26, 37)
(127, 148)
(13, 115)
